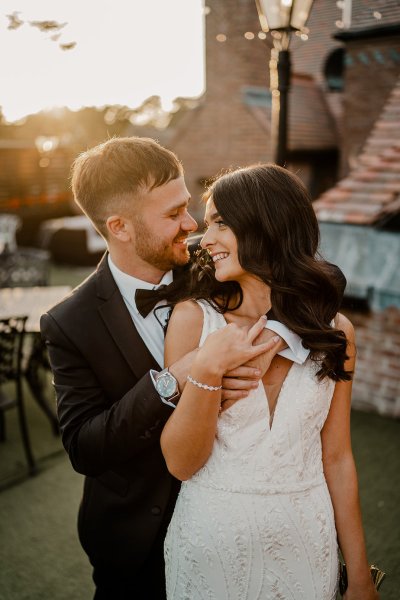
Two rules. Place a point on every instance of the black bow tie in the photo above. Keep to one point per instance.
(147, 299)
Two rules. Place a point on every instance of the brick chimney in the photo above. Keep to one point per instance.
(243, 58)
(223, 132)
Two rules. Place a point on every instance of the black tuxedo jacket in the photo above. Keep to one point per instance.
(111, 419)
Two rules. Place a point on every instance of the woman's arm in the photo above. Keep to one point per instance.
(188, 436)
(341, 477)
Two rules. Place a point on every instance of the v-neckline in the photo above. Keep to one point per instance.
(278, 399)
(284, 382)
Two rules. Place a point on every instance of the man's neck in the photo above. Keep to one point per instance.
(134, 266)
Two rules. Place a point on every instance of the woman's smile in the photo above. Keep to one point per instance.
(219, 256)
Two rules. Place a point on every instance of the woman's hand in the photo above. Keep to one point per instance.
(232, 346)
(263, 361)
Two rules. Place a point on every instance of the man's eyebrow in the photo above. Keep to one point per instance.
(183, 204)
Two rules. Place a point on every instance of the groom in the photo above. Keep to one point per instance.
(107, 357)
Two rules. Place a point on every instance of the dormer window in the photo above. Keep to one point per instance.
(334, 70)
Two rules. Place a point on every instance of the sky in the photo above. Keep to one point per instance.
(126, 51)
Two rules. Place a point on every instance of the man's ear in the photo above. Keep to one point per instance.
(117, 228)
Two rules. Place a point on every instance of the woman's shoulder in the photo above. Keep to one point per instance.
(187, 309)
(186, 316)
(344, 324)
(184, 330)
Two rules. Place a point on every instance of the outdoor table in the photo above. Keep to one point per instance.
(32, 302)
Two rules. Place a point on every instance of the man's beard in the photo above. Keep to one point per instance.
(159, 253)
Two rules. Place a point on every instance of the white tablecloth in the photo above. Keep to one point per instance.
(31, 302)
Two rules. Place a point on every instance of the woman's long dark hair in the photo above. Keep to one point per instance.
(270, 212)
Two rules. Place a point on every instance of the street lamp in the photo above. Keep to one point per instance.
(45, 145)
(281, 18)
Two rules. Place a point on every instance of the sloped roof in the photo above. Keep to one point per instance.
(311, 125)
(374, 13)
(371, 191)
(310, 56)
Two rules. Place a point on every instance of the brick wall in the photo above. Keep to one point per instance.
(310, 56)
(373, 66)
(222, 132)
(377, 380)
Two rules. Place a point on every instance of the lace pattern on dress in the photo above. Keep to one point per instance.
(256, 522)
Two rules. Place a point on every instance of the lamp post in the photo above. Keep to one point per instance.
(45, 146)
(281, 18)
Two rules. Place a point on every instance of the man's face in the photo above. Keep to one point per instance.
(162, 224)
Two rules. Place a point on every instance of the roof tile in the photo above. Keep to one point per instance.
(374, 13)
(372, 189)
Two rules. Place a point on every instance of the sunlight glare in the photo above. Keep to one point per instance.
(125, 52)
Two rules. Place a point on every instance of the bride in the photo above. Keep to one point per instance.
(269, 484)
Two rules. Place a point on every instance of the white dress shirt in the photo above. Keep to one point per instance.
(295, 350)
(152, 333)
(148, 327)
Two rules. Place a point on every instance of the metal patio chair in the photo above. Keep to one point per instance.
(25, 267)
(12, 331)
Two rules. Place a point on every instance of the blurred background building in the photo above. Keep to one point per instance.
(343, 141)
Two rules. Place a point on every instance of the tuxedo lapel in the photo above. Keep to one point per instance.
(119, 323)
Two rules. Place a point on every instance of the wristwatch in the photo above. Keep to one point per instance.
(166, 385)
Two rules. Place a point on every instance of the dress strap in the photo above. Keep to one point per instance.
(213, 319)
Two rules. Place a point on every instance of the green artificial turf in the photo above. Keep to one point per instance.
(40, 556)
(376, 447)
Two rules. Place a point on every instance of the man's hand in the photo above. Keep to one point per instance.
(237, 384)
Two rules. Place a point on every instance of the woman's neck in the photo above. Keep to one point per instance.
(256, 299)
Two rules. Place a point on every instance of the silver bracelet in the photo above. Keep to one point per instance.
(204, 386)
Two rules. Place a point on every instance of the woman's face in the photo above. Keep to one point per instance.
(221, 244)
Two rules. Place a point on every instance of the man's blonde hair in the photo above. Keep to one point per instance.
(106, 178)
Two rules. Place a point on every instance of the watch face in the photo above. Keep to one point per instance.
(166, 385)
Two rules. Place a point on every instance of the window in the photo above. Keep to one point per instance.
(334, 70)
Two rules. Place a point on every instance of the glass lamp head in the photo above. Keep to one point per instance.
(283, 15)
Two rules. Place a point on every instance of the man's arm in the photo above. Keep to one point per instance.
(98, 434)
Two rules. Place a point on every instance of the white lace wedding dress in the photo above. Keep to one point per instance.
(256, 522)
